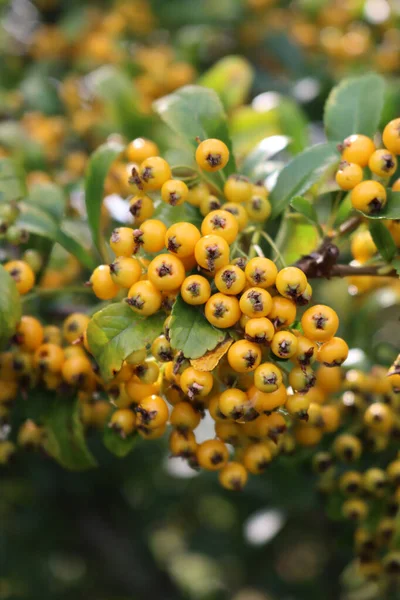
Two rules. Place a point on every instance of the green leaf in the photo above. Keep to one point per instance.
(305, 208)
(391, 210)
(177, 214)
(194, 111)
(116, 444)
(38, 222)
(12, 183)
(10, 307)
(300, 174)
(354, 106)
(49, 197)
(294, 124)
(96, 173)
(396, 265)
(65, 439)
(262, 153)
(383, 240)
(231, 77)
(116, 331)
(190, 331)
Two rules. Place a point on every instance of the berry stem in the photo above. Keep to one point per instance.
(278, 253)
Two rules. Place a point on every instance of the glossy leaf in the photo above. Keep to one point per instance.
(65, 438)
(345, 209)
(231, 77)
(96, 173)
(116, 331)
(10, 307)
(116, 444)
(300, 174)
(190, 331)
(294, 124)
(195, 111)
(176, 214)
(383, 240)
(305, 208)
(12, 184)
(354, 106)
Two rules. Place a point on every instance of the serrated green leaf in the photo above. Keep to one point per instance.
(231, 77)
(391, 210)
(116, 444)
(10, 307)
(38, 222)
(65, 438)
(300, 174)
(383, 240)
(116, 331)
(12, 183)
(194, 111)
(190, 332)
(354, 106)
(96, 173)
(305, 208)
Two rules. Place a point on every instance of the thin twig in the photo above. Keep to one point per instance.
(278, 253)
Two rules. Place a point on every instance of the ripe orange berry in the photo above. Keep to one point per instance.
(222, 311)
(150, 236)
(244, 356)
(139, 149)
(348, 175)
(260, 331)
(333, 353)
(174, 192)
(369, 197)
(29, 334)
(357, 149)
(154, 172)
(102, 284)
(74, 326)
(181, 239)
(284, 344)
(212, 155)
(267, 402)
(144, 298)
(166, 272)
(141, 208)
(222, 223)
(234, 404)
(255, 302)
(212, 455)
(383, 163)
(391, 136)
(125, 271)
(233, 476)
(283, 312)
(123, 421)
(212, 252)
(122, 241)
(261, 272)
(238, 189)
(267, 377)
(22, 274)
(291, 282)
(258, 208)
(257, 457)
(152, 412)
(230, 280)
(320, 323)
(195, 290)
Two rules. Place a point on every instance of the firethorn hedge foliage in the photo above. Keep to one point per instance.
(178, 265)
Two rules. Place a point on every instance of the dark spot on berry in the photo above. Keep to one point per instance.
(219, 309)
(256, 300)
(388, 162)
(218, 222)
(136, 301)
(194, 289)
(229, 278)
(214, 160)
(217, 458)
(136, 208)
(147, 174)
(375, 206)
(164, 270)
(173, 245)
(320, 321)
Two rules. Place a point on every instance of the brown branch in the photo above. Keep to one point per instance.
(374, 270)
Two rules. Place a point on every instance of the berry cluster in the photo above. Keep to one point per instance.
(254, 394)
(368, 496)
(358, 153)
